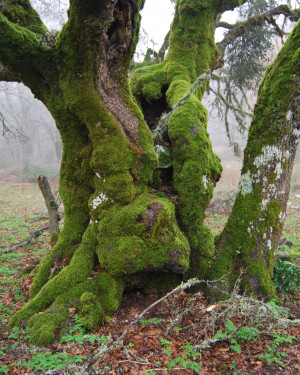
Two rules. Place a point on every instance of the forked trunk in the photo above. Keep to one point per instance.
(129, 218)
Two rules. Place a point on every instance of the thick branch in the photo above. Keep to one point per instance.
(252, 22)
(22, 55)
(227, 25)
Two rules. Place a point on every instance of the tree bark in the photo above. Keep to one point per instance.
(253, 231)
(140, 221)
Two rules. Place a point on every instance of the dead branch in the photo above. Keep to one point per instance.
(51, 204)
(26, 242)
(252, 22)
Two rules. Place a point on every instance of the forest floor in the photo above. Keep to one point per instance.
(183, 334)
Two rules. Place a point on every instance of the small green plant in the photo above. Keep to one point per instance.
(237, 335)
(154, 321)
(274, 355)
(77, 334)
(17, 291)
(5, 311)
(15, 333)
(6, 271)
(281, 310)
(187, 359)
(166, 346)
(48, 361)
(4, 369)
(286, 276)
(150, 372)
(130, 345)
(176, 328)
(238, 251)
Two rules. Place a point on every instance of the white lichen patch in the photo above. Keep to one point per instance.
(98, 200)
(278, 170)
(282, 192)
(269, 244)
(205, 181)
(245, 185)
(270, 153)
(264, 204)
(289, 115)
(251, 227)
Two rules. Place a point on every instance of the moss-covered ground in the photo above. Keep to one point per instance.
(163, 341)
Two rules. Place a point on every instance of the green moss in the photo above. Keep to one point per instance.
(148, 82)
(90, 297)
(44, 325)
(23, 14)
(111, 290)
(78, 270)
(142, 236)
(90, 310)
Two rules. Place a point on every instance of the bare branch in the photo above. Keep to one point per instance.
(252, 22)
(230, 105)
(26, 242)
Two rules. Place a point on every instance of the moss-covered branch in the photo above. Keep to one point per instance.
(21, 51)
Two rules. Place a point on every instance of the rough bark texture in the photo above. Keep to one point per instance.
(141, 221)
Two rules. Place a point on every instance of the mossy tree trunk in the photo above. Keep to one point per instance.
(130, 220)
(252, 234)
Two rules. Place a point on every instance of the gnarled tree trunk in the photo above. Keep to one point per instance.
(140, 220)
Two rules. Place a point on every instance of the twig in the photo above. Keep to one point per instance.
(26, 242)
(249, 357)
(130, 360)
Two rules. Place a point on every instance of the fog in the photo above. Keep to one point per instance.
(29, 141)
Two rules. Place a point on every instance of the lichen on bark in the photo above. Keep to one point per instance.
(253, 231)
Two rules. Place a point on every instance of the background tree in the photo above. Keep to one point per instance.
(141, 219)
